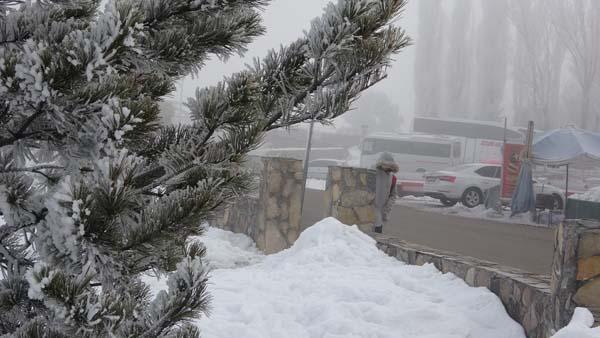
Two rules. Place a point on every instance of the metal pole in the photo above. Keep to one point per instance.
(566, 192)
(499, 203)
(503, 159)
(306, 159)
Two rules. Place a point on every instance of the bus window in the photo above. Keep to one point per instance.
(407, 147)
(457, 150)
(431, 149)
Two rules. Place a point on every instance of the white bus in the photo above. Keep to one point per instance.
(416, 154)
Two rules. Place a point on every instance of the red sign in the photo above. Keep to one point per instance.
(511, 168)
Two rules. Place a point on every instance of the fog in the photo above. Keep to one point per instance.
(471, 59)
(285, 21)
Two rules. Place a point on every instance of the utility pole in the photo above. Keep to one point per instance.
(306, 160)
(499, 203)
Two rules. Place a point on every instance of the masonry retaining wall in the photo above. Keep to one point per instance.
(270, 216)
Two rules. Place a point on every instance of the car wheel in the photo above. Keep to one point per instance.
(558, 202)
(472, 197)
(448, 203)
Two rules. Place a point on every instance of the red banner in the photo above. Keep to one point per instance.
(511, 168)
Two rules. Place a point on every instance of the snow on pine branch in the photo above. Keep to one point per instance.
(94, 191)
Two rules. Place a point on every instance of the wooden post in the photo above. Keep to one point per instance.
(529, 148)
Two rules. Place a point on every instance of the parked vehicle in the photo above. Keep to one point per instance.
(415, 153)
(319, 168)
(467, 184)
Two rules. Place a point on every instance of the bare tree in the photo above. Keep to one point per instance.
(429, 58)
(458, 65)
(577, 23)
(491, 59)
(539, 56)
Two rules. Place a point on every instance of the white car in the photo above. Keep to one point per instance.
(319, 168)
(467, 184)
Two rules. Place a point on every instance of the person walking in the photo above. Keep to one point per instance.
(385, 189)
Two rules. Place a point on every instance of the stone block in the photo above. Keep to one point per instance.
(274, 241)
(335, 192)
(483, 278)
(506, 289)
(296, 166)
(347, 216)
(371, 180)
(589, 294)
(289, 187)
(336, 173)
(355, 198)
(272, 163)
(588, 268)
(349, 177)
(455, 267)
(402, 255)
(589, 245)
(363, 179)
(292, 235)
(272, 211)
(294, 209)
(470, 276)
(274, 182)
(366, 215)
(283, 210)
(531, 320)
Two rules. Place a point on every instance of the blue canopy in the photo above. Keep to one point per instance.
(523, 199)
(564, 146)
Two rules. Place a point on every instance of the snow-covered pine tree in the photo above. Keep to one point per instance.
(94, 192)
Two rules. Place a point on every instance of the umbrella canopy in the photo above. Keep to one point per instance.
(565, 146)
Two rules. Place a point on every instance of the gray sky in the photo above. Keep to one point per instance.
(285, 21)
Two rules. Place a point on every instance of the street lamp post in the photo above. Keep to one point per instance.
(306, 159)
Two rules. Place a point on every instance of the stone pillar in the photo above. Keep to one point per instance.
(350, 196)
(575, 270)
(278, 223)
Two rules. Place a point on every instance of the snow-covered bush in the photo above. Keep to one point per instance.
(94, 192)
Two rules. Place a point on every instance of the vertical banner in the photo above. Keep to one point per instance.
(511, 168)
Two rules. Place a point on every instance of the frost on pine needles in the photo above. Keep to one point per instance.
(95, 193)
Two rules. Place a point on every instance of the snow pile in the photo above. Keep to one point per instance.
(580, 326)
(592, 195)
(420, 199)
(334, 282)
(227, 250)
(316, 184)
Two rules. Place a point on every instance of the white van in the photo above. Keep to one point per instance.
(415, 154)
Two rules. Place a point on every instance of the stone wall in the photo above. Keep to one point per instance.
(350, 195)
(526, 296)
(576, 270)
(278, 223)
(240, 217)
(270, 216)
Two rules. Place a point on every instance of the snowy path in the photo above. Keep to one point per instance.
(334, 283)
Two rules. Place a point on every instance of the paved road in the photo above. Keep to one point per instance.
(525, 247)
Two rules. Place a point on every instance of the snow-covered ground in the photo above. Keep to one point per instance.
(480, 212)
(580, 326)
(334, 282)
(592, 195)
(316, 184)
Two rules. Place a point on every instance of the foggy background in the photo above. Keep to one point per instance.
(471, 59)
